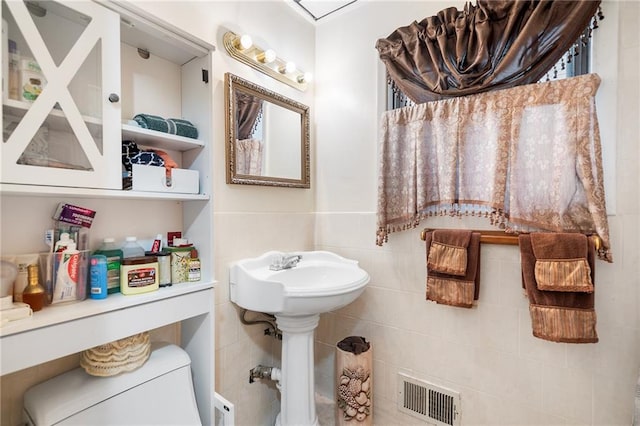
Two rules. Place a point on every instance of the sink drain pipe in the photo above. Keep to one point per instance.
(270, 320)
(268, 373)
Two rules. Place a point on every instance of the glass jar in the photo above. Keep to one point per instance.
(34, 293)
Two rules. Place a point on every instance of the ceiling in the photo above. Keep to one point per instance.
(318, 9)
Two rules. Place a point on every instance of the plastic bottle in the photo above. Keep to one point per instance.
(14, 71)
(98, 277)
(114, 260)
(194, 267)
(131, 248)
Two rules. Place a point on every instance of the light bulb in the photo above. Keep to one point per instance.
(244, 42)
(305, 78)
(288, 68)
(267, 56)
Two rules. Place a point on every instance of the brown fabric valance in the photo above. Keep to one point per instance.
(488, 46)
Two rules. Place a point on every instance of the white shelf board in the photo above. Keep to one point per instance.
(157, 139)
(56, 331)
(55, 314)
(56, 120)
(58, 191)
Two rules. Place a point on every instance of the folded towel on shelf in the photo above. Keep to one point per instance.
(132, 154)
(172, 126)
(152, 122)
(555, 268)
(453, 267)
(181, 127)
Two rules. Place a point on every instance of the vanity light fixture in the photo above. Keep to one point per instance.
(241, 48)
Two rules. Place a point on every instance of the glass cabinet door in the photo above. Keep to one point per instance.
(61, 102)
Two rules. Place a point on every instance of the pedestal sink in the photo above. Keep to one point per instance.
(319, 282)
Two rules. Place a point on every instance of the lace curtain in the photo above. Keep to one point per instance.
(487, 46)
(249, 157)
(527, 158)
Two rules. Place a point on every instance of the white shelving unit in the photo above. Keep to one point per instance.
(57, 331)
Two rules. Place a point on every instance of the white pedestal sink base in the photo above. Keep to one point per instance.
(298, 405)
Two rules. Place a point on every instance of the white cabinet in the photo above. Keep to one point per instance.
(104, 62)
(101, 64)
(70, 132)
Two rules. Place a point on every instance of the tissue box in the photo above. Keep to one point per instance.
(153, 179)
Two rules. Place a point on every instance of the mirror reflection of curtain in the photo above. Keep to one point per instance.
(249, 113)
(487, 46)
(249, 157)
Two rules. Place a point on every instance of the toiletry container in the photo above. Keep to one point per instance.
(180, 257)
(34, 294)
(32, 81)
(98, 276)
(131, 248)
(194, 267)
(139, 274)
(114, 260)
(160, 392)
(164, 267)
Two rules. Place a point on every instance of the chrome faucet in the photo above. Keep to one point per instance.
(285, 262)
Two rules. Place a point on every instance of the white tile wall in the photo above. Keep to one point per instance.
(488, 354)
(505, 375)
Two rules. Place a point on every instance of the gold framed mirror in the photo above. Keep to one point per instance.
(267, 136)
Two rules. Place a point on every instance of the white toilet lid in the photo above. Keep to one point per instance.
(75, 391)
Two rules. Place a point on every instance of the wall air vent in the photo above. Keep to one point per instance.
(426, 401)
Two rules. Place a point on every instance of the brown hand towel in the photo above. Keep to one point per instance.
(561, 263)
(559, 316)
(453, 267)
(448, 252)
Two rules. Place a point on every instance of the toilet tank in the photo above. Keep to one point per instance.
(158, 393)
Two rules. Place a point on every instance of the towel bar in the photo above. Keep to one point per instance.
(501, 237)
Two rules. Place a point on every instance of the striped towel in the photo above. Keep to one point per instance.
(453, 267)
(555, 275)
(152, 122)
(173, 126)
